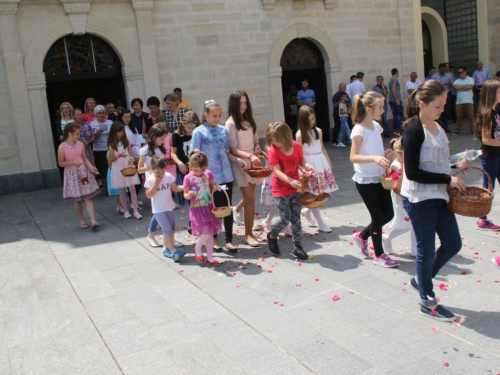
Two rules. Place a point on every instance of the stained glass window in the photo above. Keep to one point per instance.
(301, 52)
(80, 54)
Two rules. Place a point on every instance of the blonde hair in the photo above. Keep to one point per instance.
(209, 105)
(279, 132)
(70, 108)
(363, 101)
(190, 117)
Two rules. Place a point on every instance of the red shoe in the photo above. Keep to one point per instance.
(200, 259)
(214, 263)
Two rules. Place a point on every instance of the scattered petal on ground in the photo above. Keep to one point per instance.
(446, 364)
(180, 270)
(433, 329)
(462, 319)
(335, 298)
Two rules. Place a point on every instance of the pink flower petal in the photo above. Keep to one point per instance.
(281, 305)
(299, 264)
(276, 302)
(455, 324)
(433, 329)
(462, 319)
(335, 298)
(407, 219)
(316, 279)
(442, 286)
(269, 271)
(180, 270)
(446, 364)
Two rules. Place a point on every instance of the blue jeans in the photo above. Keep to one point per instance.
(153, 224)
(429, 217)
(492, 167)
(397, 115)
(344, 130)
(384, 120)
(166, 220)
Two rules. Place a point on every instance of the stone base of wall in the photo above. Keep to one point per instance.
(24, 182)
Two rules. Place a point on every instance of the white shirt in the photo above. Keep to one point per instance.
(162, 201)
(465, 97)
(343, 107)
(101, 140)
(144, 152)
(133, 139)
(368, 173)
(357, 87)
(412, 85)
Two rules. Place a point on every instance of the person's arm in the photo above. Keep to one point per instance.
(283, 177)
(176, 188)
(141, 167)
(196, 140)
(413, 139)
(335, 104)
(486, 137)
(151, 191)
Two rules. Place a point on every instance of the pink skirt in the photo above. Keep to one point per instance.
(203, 221)
(75, 189)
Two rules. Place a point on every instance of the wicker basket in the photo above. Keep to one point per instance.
(259, 172)
(170, 161)
(388, 182)
(221, 211)
(308, 199)
(474, 201)
(304, 180)
(129, 172)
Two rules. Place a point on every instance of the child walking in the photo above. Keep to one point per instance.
(344, 125)
(322, 180)
(198, 185)
(267, 199)
(159, 186)
(400, 224)
(367, 155)
(79, 184)
(426, 178)
(120, 151)
(113, 192)
(285, 157)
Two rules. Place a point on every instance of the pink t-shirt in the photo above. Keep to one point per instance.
(289, 165)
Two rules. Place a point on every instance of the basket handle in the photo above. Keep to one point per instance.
(212, 196)
(260, 155)
(466, 169)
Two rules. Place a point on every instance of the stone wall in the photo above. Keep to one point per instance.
(494, 35)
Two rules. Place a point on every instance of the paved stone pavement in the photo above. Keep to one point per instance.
(74, 301)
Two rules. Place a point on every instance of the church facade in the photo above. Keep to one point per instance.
(208, 48)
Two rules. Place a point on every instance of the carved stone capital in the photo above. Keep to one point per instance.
(142, 5)
(9, 6)
(268, 4)
(76, 6)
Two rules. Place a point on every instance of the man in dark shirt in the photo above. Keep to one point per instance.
(336, 117)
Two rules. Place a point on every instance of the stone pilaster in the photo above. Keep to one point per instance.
(147, 46)
(77, 11)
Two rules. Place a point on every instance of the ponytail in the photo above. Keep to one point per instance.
(362, 101)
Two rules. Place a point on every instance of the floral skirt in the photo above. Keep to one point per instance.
(74, 188)
(266, 193)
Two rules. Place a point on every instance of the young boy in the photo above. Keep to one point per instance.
(159, 187)
(344, 125)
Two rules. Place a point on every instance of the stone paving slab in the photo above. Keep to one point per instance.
(83, 302)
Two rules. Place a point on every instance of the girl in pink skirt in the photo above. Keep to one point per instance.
(198, 184)
(79, 182)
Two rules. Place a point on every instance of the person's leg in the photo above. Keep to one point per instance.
(123, 199)
(202, 240)
(221, 201)
(459, 117)
(336, 128)
(491, 166)
(322, 226)
(469, 108)
(449, 235)
(341, 133)
(79, 210)
(89, 206)
(249, 209)
(133, 196)
(283, 205)
(295, 208)
(209, 246)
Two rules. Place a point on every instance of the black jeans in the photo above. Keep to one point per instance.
(221, 201)
(379, 204)
(336, 128)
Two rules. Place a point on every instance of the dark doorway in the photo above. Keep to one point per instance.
(301, 58)
(427, 45)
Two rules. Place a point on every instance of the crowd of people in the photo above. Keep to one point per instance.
(179, 160)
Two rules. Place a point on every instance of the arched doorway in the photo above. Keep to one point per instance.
(427, 46)
(80, 66)
(300, 59)
(437, 33)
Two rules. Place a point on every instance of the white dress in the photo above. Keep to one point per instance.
(398, 221)
(323, 175)
(119, 181)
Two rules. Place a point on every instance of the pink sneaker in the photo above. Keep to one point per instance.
(496, 261)
(363, 244)
(486, 225)
(384, 261)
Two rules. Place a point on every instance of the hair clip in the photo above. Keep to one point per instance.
(210, 101)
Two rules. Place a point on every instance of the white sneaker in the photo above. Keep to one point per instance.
(127, 215)
(340, 144)
(307, 214)
(236, 217)
(139, 202)
(386, 243)
(138, 216)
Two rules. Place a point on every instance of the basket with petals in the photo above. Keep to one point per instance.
(474, 201)
(392, 179)
(309, 199)
(129, 172)
(221, 211)
(259, 172)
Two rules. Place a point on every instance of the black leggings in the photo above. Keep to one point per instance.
(379, 204)
(221, 201)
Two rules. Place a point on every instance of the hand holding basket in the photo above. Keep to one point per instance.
(220, 211)
(259, 172)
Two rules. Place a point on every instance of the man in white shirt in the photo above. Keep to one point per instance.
(348, 87)
(357, 86)
(465, 102)
(412, 84)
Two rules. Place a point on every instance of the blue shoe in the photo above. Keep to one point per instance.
(167, 253)
(414, 284)
(177, 255)
(439, 313)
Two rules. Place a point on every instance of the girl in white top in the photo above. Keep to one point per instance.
(322, 179)
(370, 163)
(66, 110)
(125, 117)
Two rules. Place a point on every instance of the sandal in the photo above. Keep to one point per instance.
(83, 224)
(251, 243)
(95, 225)
(232, 249)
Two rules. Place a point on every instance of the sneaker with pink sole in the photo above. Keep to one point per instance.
(362, 244)
(486, 225)
(496, 261)
(384, 261)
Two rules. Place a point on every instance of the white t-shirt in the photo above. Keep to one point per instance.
(342, 107)
(144, 152)
(412, 85)
(368, 173)
(464, 97)
(133, 138)
(162, 201)
(356, 87)
(101, 140)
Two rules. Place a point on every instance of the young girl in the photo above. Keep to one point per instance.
(125, 117)
(367, 155)
(488, 131)
(158, 186)
(426, 178)
(113, 192)
(285, 157)
(400, 224)
(244, 144)
(120, 153)
(167, 143)
(212, 139)
(181, 148)
(322, 180)
(79, 184)
(198, 184)
(267, 199)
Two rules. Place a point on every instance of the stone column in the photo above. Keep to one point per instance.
(134, 83)
(19, 94)
(333, 77)
(147, 46)
(278, 112)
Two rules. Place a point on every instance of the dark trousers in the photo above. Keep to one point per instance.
(336, 128)
(446, 112)
(379, 203)
(221, 201)
(492, 167)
